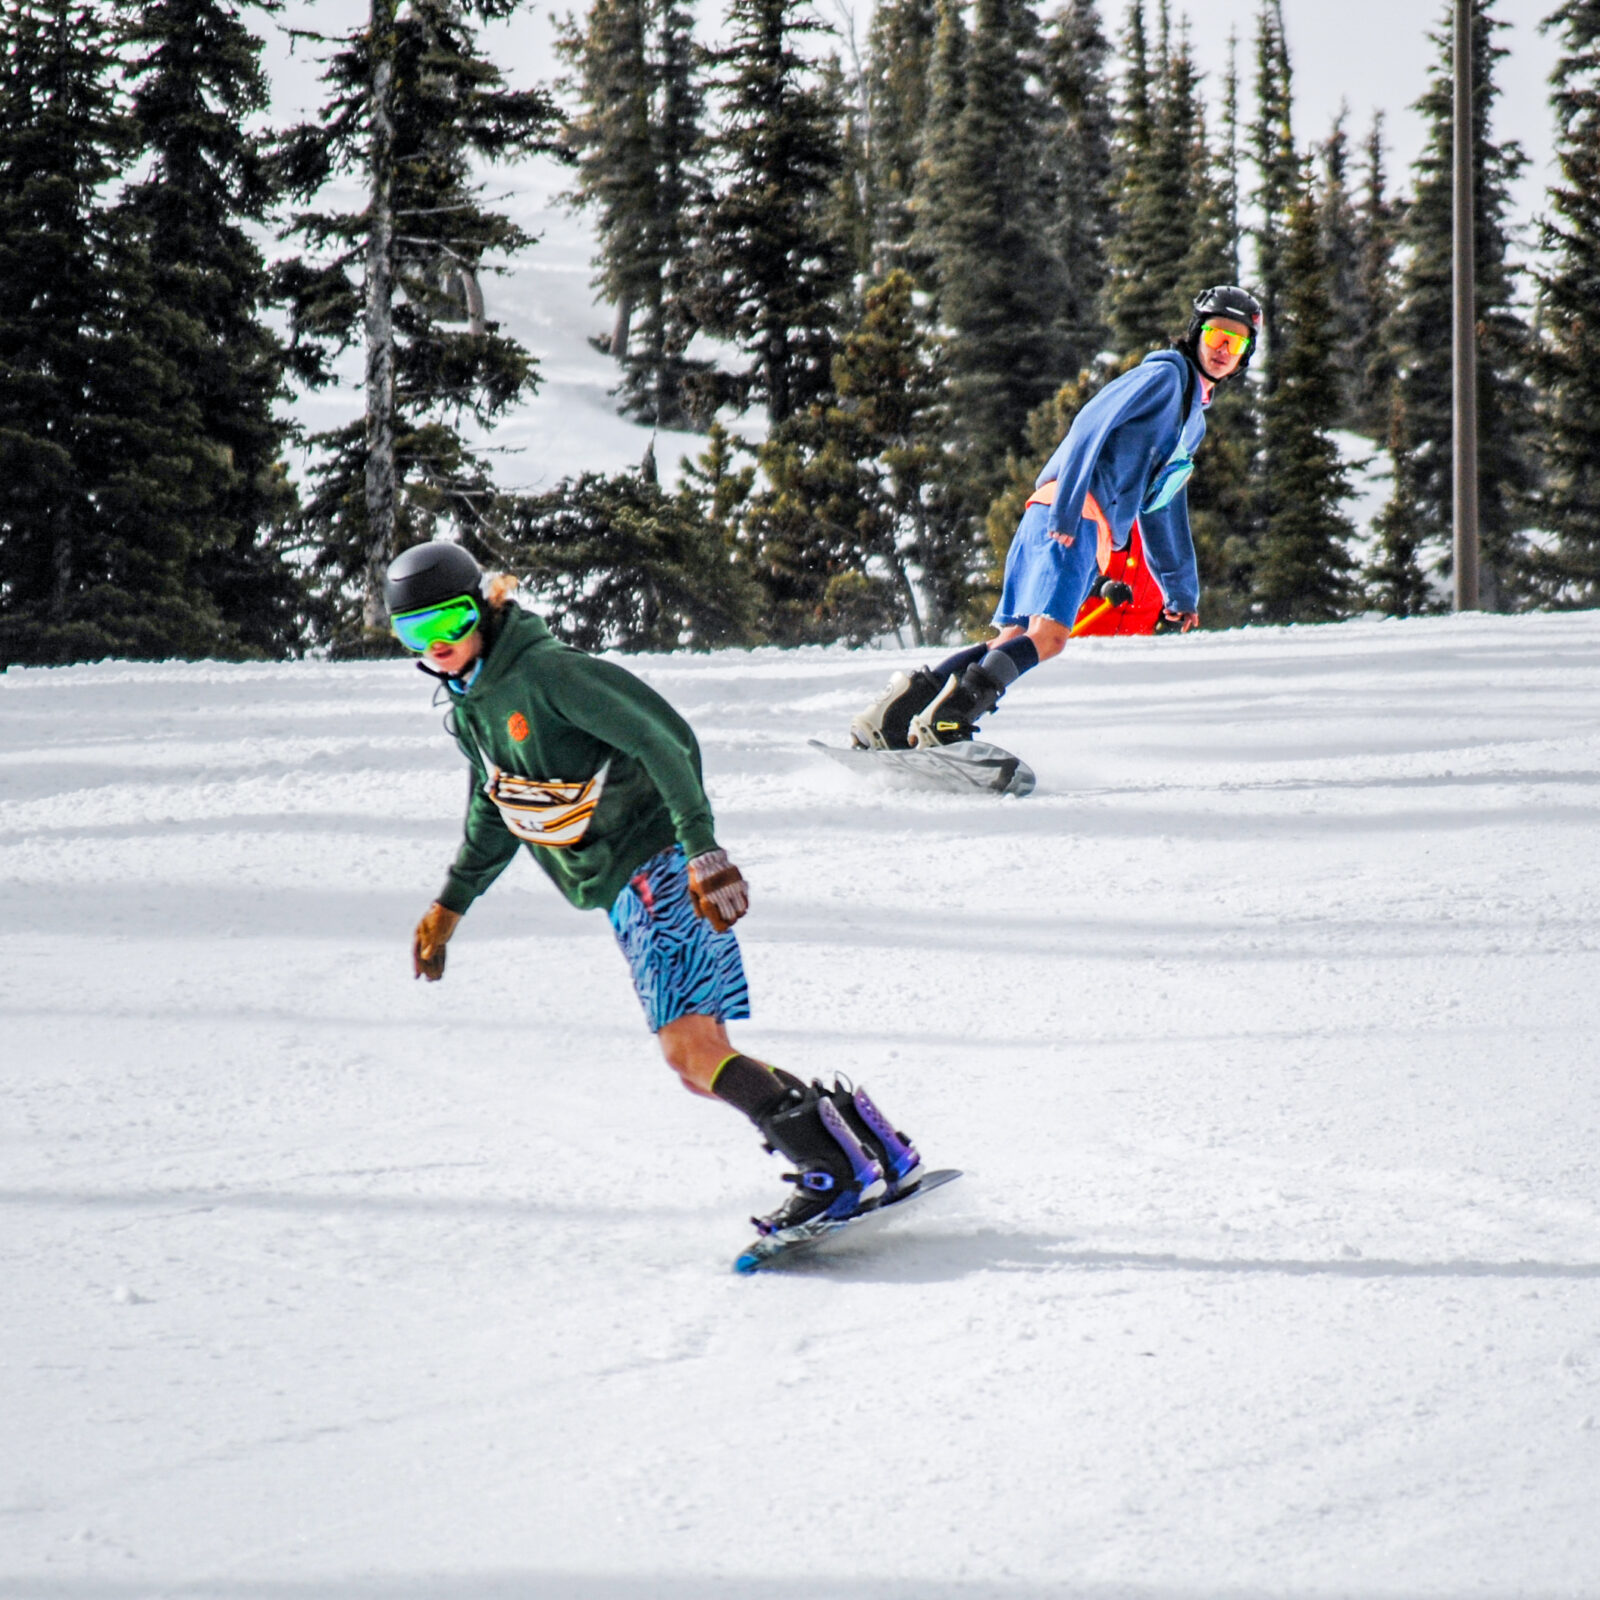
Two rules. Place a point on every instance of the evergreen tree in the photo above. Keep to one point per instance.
(636, 135)
(890, 416)
(1138, 292)
(1339, 238)
(1303, 564)
(1078, 140)
(850, 531)
(1278, 171)
(412, 103)
(1422, 324)
(1376, 222)
(1174, 201)
(1000, 287)
(197, 82)
(1396, 584)
(899, 66)
(719, 486)
(771, 272)
(107, 480)
(1213, 186)
(947, 95)
(617, 563)
(1569, 367)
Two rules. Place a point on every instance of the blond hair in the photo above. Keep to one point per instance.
(498, 589)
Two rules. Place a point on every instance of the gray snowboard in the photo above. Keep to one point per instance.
(954, 768)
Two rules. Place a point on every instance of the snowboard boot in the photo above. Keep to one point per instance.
(953, 716)
(883, 725)
(836, 1176)
(892, 1150)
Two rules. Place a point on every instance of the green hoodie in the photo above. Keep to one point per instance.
(541, 710)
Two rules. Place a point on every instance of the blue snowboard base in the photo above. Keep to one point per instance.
(763, 1252)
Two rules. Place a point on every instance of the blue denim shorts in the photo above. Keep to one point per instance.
(1044, 577)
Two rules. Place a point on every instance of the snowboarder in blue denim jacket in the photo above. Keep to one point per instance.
(1126, 458)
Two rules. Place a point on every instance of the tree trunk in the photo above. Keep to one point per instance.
(909, 595)
(622, 328)
(380, 323)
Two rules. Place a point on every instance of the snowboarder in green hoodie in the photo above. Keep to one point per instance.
(586, 766)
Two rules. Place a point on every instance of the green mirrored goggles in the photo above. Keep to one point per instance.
(449, 623)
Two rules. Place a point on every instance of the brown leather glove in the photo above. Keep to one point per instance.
(427, 945)
(718, 890)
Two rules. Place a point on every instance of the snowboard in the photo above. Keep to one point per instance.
(953, 768)
(763, 1252)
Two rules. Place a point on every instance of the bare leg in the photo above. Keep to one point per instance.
(695, 1046)
(1049, 636)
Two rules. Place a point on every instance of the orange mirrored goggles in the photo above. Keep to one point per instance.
(1224, 340)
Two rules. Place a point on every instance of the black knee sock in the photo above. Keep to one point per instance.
(959, 662)
(750, 1087)
(1021, 653)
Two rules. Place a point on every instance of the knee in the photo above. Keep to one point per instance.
(678, 1056)
(1049, 637)
(695, 1060)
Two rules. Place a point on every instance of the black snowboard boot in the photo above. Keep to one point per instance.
(883, 725)
(836, 1176)
(954, 714)
(892, 1150)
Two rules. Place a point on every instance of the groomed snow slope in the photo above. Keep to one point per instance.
(1265, 1032)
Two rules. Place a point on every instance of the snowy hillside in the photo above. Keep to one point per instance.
(1265, 1031)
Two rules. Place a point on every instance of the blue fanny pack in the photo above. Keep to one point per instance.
(1169, 480)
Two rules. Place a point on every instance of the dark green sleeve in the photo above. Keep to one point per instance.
(625, 712)
(487, 846)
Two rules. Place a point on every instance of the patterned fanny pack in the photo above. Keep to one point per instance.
(554, 815)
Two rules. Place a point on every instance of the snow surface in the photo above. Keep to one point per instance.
(1264, 1030)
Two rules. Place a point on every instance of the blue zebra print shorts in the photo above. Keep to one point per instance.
(681, 965)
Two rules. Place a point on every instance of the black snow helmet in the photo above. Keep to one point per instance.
(1225, 300)
(429, 574)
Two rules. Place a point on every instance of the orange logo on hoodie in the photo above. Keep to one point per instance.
(517, 726)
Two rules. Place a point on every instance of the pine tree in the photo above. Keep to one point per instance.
(615, 562)
(1278, 171)
(947, 95)
(412, 103)
(106, 476)
(1569, 366)
(1396, 584)
(1303, 565)
(1420, 330)
(720, 487)
(1376, 222)
(1339, 237)
(1213, 185)
(889, 416)
(196, 211)
(636, 137)
(999, 286)
(770, 271)
(899, 65)
(810, 530)
(1078, 142)
(849, 531)
(1137, 292)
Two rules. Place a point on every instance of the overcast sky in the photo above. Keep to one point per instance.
(1376, 55)
(1370, 54)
